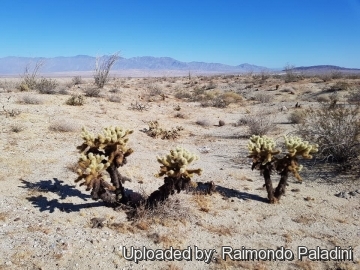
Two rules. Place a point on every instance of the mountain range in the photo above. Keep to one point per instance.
(84, 64)
(81, 63)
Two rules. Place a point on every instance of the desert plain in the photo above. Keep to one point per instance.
(47, 221)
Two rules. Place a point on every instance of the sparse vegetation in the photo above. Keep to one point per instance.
(102, 68)
(92, 92)
(63, 126)
(76, 100)
(335, 128)
(30, 99)
(263, 153)
(46, 86)
(156, 131)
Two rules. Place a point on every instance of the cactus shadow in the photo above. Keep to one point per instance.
(58, 187)
(233, 193)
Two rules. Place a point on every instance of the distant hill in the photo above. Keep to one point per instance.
(325, 69)
(80, 63)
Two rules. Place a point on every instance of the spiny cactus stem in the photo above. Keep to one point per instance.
(266, 168)
(116, 181)
(280, 189)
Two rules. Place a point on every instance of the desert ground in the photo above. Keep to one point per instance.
(47, 221)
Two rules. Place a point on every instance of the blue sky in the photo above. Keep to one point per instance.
(268, 33)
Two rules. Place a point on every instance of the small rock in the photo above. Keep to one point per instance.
(352, 193)
(343, 195)
(221, 123)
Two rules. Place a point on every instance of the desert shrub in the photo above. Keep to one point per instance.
(29, 79)
(114, 98)
(339, 86)
(322, 99)
(138, 106)
(297, 117)
(260, 124)
(290, 75)
(154, 90)
(182, 94)
(102, 69)
(210, 85)
(63, 126)
(76, 100)
(336, 74)
(76, 80)
(335, 128)
(16, 128)
(354, 97)
(156, 131)
(263, 97)
(23, 87)
(30, 99)
(63, 91)
(92, 92)
(47, 86)
(218, 99)
(180, 115)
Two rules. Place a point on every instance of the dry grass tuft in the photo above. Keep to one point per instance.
(202, 201)
(166, 213)
(30, 99)
(63, 126)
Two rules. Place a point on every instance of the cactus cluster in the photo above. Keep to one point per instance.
(177, 176)
(106, 151)
(263, 154)
(91, 168)
(262, 149)
(175, 163)
(156, 131)
(297, 147)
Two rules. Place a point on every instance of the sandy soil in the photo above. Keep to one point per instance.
(45, 218)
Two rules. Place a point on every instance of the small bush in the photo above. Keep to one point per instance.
(63, 126)
(297, 117)
(182, 94)
(92, 92)
(336, 129)
(102, 69)
(28, 99)
(263, 97)
(354, 97)
(63, 91)
(339, 86)
(76, 80)
(76, 100)
(322, 99)
(17, 128)
(260, 124)
(47, 86)
(114, 98)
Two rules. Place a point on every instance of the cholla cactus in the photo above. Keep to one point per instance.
(177, 175)
(106, 151)
(264, 158)
(262, 149)
(175, 163)
(297, 147)
(91, 168)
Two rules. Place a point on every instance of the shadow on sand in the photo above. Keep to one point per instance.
(58, 187)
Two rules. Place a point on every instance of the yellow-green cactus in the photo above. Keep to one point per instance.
(262, 149)
(91, 168)
(175, 163)
(297, 147)
(111, 135)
